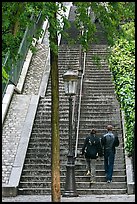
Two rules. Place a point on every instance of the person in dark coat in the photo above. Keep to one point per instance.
(92, 149)
(109, 141)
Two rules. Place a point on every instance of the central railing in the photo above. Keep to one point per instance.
(79, 104)
(77, 100)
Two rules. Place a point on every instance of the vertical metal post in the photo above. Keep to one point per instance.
(70, 126)
(70, 185)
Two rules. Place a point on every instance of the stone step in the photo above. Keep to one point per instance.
(90, 92)
(98, 121)
(79, 172)
(97, 71)
(64, 49)
(97, 109)
(97, 81)
(47, 134)
(84, 119)
(34, 191)
(98, 114)
(97, 125)
(100, 53)
(77, 178)
(98, 75)
(64, 146)
(93, 102)
(81, 159)
(44, 143)
(103, 88)
(108, 90)
(89, 191)
(63, 156)
(100, 104)
(107, 191)
(42, 150)
(99, 94)
(81, 142)
(100, 68)
(62, 60)
(85, 185)
(99, 63)
(41, 161)
(40, 137)
(100, 130)
(107, 119)
(82, 130)
(38, 155)
(63, 166)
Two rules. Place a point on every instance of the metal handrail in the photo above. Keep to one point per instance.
(79, 105)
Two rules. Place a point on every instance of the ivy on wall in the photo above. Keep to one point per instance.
(122, 65)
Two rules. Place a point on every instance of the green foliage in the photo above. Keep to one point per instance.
(122, 65)
(117, 19)
(10, 39)
(4, 75)
(85, 24)
(16, 16)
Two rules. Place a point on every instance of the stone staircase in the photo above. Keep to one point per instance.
(98, 109)
(36, 174)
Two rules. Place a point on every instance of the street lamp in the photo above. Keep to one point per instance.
(70, 85)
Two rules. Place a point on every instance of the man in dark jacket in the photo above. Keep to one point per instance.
(109, 141)
(92, 149)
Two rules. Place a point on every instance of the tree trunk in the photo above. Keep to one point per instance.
(55, 140)
(16, 25)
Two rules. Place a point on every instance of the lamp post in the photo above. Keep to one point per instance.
(70, 85)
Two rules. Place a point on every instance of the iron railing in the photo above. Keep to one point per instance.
(16, 67)
(77, 101)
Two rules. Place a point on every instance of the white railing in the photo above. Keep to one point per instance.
(79, 105)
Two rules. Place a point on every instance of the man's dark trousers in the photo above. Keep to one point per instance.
(109, 157)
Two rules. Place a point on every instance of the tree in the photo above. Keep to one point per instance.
(55, 142)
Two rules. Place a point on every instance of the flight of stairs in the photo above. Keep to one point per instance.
(98, 109)
(36, 174)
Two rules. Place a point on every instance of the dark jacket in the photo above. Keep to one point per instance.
(109, 141)
(92, 146)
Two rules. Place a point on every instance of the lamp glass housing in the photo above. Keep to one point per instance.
(70, 82)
